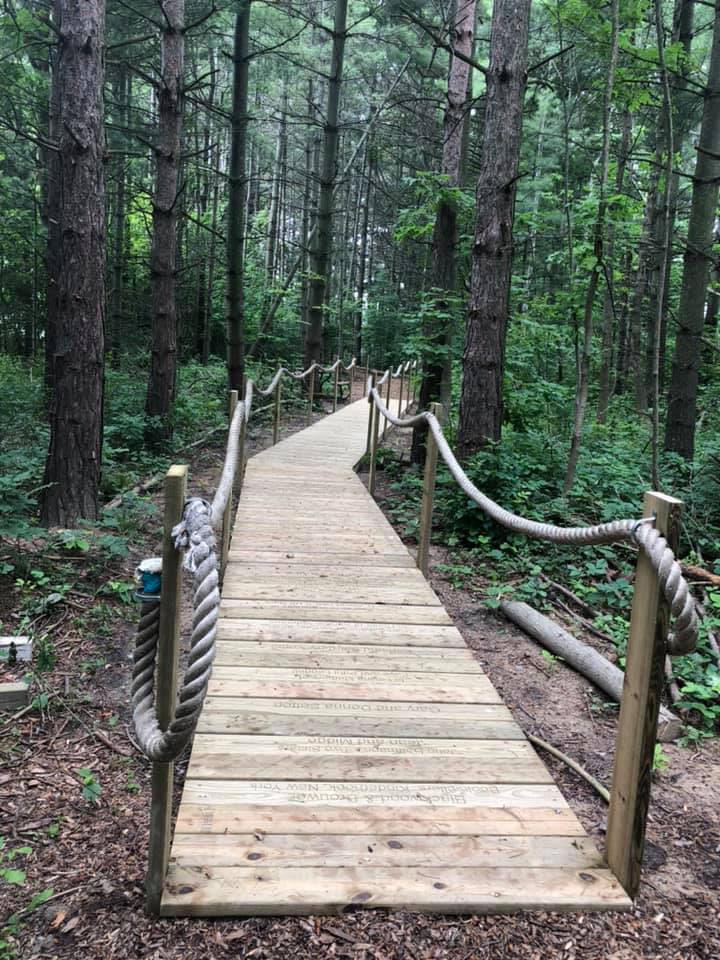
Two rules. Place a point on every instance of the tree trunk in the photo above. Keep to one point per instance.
(72, 468)
(52, 203)
(682, 401)
(274, 213)
(320, 255)
(236, 201)
(583, 366)
(481, 403)
(610, 298)
(680, 114)
(115, 320)
(163, 252)
(362, 256)
(436, 384)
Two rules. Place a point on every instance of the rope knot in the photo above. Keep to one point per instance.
(191, 533)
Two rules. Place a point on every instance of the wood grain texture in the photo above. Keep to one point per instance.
(351, 751)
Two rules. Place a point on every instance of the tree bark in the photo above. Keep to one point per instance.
(583, 366)
(163, 251)
(682, 400)
(320, 255)
(51, 213)
(236, 200)
(481, 403)
(436, 384)
(115, 320)
(609, 298)
(72, 468)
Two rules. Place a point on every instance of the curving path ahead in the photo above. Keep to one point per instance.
(351, 751)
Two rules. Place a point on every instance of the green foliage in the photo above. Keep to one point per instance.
(91, 789)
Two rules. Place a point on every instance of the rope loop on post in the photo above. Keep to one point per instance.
(194, 534)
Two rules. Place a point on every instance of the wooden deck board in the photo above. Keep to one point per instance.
(351, 751)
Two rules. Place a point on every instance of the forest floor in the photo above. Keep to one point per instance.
(81, 837)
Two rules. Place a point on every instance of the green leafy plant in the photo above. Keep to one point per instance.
(661, 761)
(91, 789)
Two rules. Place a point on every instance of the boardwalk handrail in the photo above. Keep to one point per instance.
(165, 718)
(660, 589)
(195, 533)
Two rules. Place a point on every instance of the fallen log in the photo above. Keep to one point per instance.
(584, 659)
(698, 573)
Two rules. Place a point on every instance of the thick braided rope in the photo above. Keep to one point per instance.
(667, 569)
(196, 534)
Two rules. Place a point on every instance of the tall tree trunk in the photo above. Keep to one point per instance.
(436, 384)
(72, 468)
(52, 204)
(681, 118)
(583, 367)
(277, 184)
(362, 256)
(320, 255)
(307, 205)
(664, 242)
(163, 251)
(115, 320)
(236, 200)
(682, 400)
(207, 319)
(481, 403)
(609, 297)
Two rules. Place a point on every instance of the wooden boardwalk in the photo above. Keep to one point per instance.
(351, 751)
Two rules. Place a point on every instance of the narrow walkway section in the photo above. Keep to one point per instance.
(351, 751)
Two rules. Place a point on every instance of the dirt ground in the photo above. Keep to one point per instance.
(91, 854)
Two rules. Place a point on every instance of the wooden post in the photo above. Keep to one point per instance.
(227, 515)
(337, 379)
(276, 414)
(166, 686)
(426, 508)
(351, 371)
(311, 397)
(370, 418)
(387, 403)
(240, 469)
(402, 384)
(642, 693)
(367, 374)
(375, 421)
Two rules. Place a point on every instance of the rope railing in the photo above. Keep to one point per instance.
(166, 713)
(196, 535)
(642, 532)
(660, 593)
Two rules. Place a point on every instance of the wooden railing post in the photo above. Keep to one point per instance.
(337, 380)
(166, 685)
(641, 697)
(375, 427)
(227, 515)
(240, 469)
(276, 412)
(367, 374)
(351, 371)
(428, 494)
(371, 407)
(311, 397)
(387, 402)
(402, 384)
